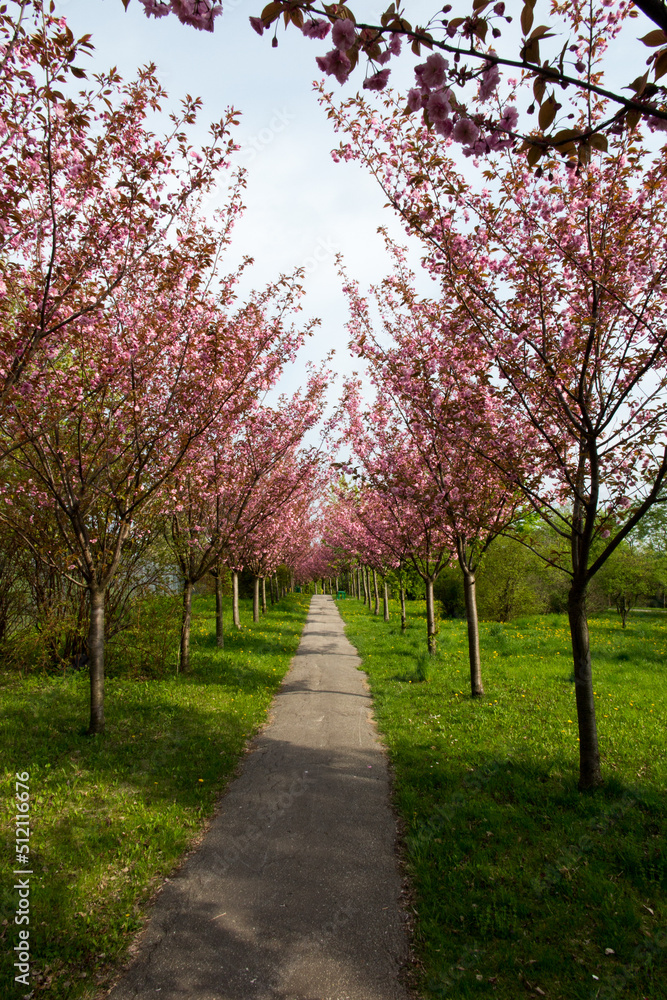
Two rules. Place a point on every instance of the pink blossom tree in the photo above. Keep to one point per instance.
(560, 278)
(437, 382)
(98, 429)
(246, 471)
(87, 189)
(385, 460)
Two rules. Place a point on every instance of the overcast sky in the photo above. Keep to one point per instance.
(302, 207)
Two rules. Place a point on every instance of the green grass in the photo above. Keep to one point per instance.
(112, 815)
(520, 882)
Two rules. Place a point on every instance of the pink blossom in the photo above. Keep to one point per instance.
(489, 81)
(395, 45)
(343, 34)
(432, 72)
(197, 13)
(438, 106)
(335, 63)
(378, 81)
(155, 9)
(509, 119)
(444, 127)
(465, 131)
(257, 24)
(316, 29)
(414, 99)
(657, 124)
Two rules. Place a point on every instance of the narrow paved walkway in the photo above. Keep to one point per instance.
(293, 893)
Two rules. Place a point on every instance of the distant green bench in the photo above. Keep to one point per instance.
(341, 595)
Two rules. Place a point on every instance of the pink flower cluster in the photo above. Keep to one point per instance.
(435, 98)
(199, 14)
(337, 62)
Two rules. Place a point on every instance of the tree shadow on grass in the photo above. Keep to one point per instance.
(111, 811)
(534, 870)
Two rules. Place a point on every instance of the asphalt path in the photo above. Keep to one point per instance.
(294, 892)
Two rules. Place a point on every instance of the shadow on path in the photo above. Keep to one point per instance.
(293, 894)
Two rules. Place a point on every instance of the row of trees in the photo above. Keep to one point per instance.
(531, 384)
(133, 384)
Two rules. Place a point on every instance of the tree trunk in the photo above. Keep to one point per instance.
(219, 622)
(96, 660)
(184, 662)
(255, 599)
(385, 599)
(263, 595)
(236, 618)
(590, 774)
(337, 587)
(363, 583)
(470, 594)
(368, 587)
(376, 609)
(403, 615)
(431, 628)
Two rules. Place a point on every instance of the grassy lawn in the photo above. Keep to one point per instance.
(112, 815)
(522, 885)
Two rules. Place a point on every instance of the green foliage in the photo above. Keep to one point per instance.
(629, 577)
(521, 883)
(514, 581)
(113, 814)
(448, 590)
(148, 645)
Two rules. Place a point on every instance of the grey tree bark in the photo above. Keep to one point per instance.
(385, 599)
(590, 773)
(236, 618)
(431, 627)
(255, 599)
(470, 594)
(219, 621)
(376, 608)
(184, 660)
(96, 660)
